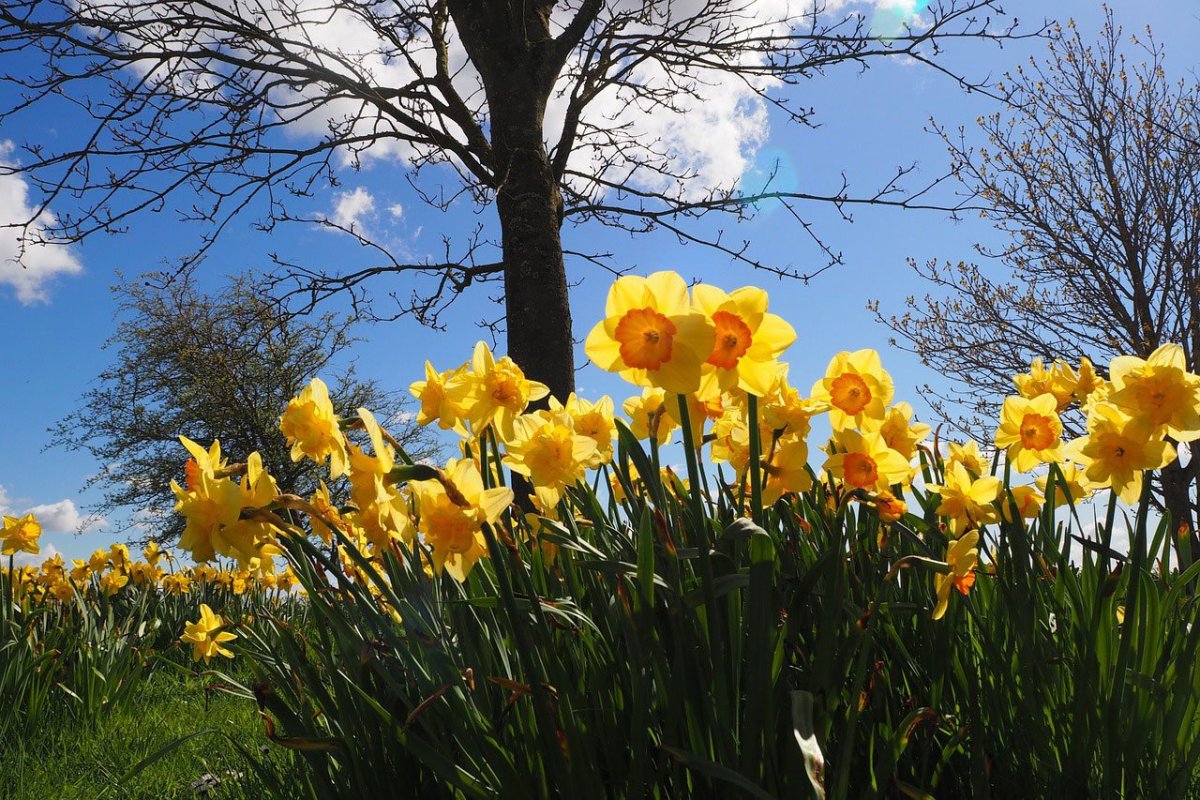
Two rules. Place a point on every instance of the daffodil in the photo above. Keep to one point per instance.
(546, 449)
(1086, 381)
(648, 416)
(594, 420)
(1160, 390)
(1117, 449)
(651, 334)
(899, 431)
(747, 340)
(499, 391)
(787, 471)
(864, 461)
(1071, 487)
(1027, 500)
(208, 508)
(443, 397)
(1030, 431)
(311, 427)
(967, 500)
(112, 582)
(453, 511)
(1060, 380)
(890, 507)
(969, 456)
(856, 387)
(206, 635)
(962, 556)
(20, 535)
(784, 412)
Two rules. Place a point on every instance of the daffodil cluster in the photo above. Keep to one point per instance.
(113, 571)
(708, 371)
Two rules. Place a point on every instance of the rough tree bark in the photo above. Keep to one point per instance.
(510, 46)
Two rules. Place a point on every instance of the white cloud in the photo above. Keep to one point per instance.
(30, 560)
(352, 208)
(64, 517)
(396, 210)
(39, 264)
(60, 517)
(711, 135)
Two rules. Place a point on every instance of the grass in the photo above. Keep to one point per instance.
(70, 760)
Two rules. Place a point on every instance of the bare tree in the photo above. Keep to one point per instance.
(1092, 175)
(211, 366)
(529, 107)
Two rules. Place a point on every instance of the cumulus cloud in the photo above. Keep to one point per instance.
(48, 551)
(28, 266)
(62, 516)
(710, 135)
(351, 209)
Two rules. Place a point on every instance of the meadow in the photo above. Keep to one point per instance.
(559, 612)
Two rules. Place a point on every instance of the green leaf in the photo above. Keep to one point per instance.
(713, 770)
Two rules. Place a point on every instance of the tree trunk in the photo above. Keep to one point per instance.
(509, 44)
(1176, 483)
(536, 304)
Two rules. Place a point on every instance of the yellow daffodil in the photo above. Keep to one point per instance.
(1160, 390)
(311, 428)
(1077, 487)
(327, 513)
(453, 513)
(890, 507)
(208, 508)
(20, 535)
(966, 500)
(1086, 381)
(176, 584)
(112, 582)
(787, 471)
(594, 420)
(747, 340)
(855, 387)
(731, 439)
(1117, 449)
(81, 571)
(651, 334)
(864, 461)
(898, 430)
(969, 456)
(1027, 500)
(1030, 431)
(784, 412)
(961, 556)
(443, 397)
(546, 449)
(499, 391)
(98, 560)
(206, 635)
(1060, 380)
(648, 416)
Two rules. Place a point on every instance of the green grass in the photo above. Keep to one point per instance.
(68, 759)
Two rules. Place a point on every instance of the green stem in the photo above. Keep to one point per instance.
(716, 640)
(755, 467)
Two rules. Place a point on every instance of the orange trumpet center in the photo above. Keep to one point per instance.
(645, 337)
(1037, 432)
(732, 341)
(850, 393)
(860, 470)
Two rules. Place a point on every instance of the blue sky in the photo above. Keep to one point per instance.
(870, 123)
